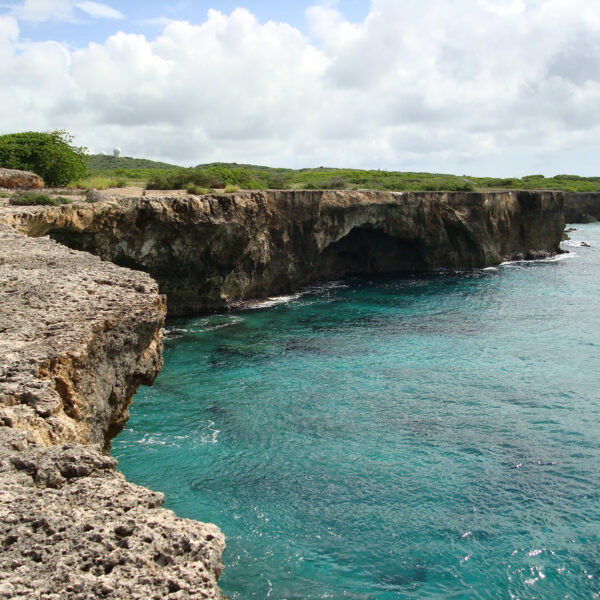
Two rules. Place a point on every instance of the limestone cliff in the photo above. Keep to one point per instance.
(208, 252)
(582, 208)
(77, 337)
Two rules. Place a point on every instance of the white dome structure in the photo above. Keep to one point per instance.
(117, 152)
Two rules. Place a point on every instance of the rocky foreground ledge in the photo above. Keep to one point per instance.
(77, 337)
(209, 252)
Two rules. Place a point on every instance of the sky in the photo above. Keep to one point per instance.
(476, 87)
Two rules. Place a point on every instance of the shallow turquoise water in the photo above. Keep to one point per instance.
(427, 437)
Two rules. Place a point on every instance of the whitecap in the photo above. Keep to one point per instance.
(210, 325)
(328, 285)
(559, 257)
(274, 301)
(549, 259)
(210, 435)
(172, 333)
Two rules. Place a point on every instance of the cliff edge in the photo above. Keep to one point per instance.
(77, 337)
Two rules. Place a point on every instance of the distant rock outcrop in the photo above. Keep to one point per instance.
(582, 207)
(23, 180)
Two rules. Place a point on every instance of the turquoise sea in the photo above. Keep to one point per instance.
(430, 436)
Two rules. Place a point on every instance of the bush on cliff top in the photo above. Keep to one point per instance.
(214, 177)
(50, 155)
(37, 199)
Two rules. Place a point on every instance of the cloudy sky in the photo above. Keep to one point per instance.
(497, 87)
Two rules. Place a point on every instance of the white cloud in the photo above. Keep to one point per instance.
(494, 86)
(44, 10)
(98, 10)
(62, 10)
(157, 21)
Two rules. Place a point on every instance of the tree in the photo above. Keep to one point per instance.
(51, 155)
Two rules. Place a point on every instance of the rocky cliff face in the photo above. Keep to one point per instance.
(77, 337)
(210, 252)
(582, 208)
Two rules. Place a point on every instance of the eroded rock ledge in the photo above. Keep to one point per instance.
(77, 337)
(209, 252)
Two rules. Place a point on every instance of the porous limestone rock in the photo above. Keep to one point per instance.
(72, 528)
(15, 179)
(209, 252)
(77, 337)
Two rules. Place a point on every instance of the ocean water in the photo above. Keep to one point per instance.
(386, 438)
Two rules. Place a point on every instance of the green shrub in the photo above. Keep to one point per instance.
(37, 199)
(50, 155)
(337, 183)
(98, 183)
(192, 188)
(229, 189)
(215, 177)
(276, 181)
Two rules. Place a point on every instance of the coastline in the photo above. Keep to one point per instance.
(83, 334)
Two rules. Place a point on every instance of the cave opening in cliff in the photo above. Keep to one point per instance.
(367, 250)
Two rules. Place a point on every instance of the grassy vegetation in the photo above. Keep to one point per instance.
(230, 176)
(102, 162)
(37, 199)
(570, 183)
(98, 182)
